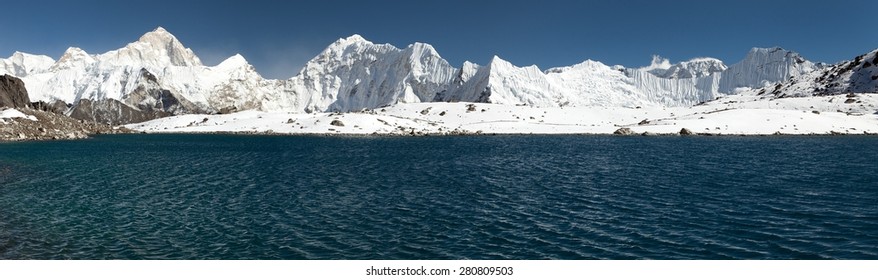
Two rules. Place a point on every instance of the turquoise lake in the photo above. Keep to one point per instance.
(485, 197)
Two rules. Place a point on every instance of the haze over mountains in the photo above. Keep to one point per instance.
(158, 76)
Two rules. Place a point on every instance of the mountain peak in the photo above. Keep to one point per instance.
(763, 67)
(694, 68)
(775, 53)
(234, 61)
(158, 48)
(350, 40)
(239, 57)
(18, 54)
(159, 36)
(423, 47)
(499, 64)
(74, 51)
(355, 37)
(588, 64)
(339, 46)
(422, 51)
(22, 64)
(21, 55)
(497, 59)
(72, 57)
(767, 50)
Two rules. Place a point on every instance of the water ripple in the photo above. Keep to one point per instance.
(509, 197)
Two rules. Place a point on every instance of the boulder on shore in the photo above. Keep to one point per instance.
(686, 131)
(623, 131)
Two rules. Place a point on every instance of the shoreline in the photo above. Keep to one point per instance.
(354, 135)
(26, 124)
(739, 115)
(487, 134)
(391, 135)
(748, 115)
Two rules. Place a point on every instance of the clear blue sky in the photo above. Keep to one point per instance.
(278, 37)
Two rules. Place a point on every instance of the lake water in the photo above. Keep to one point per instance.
(489, 197)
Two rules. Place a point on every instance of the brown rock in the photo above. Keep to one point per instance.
(623, 131)
(686, 131)
(13, 93)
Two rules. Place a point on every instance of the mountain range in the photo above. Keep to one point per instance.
(157, 76)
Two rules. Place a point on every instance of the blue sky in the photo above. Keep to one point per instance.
(278, 37)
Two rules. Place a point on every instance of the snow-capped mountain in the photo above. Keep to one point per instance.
(157, 75)
(694, 68)
(73, 58)
(859, 75)
(675, 91)
(589, 83)
(158, 48)
(501, 82)
(353, 74)
(765, 66)
(23, 64)
(79, 75)
(592, 83)
(174, 71)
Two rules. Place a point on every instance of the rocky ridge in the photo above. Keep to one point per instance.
(51, 126)
(23, 120)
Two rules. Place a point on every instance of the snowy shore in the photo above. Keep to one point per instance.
(745, 114)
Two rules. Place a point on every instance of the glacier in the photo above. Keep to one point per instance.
(592, 83)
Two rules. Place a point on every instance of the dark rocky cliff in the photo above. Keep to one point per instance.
(46, 121)
(13, 94)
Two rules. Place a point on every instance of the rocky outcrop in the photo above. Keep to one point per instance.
(57, 107)
(13, 94)
(686, 131)
(112, 112)
(50, 126)
(149, 96)
(859, 75)
(46, 121)
(623, 131)
(148, 101)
